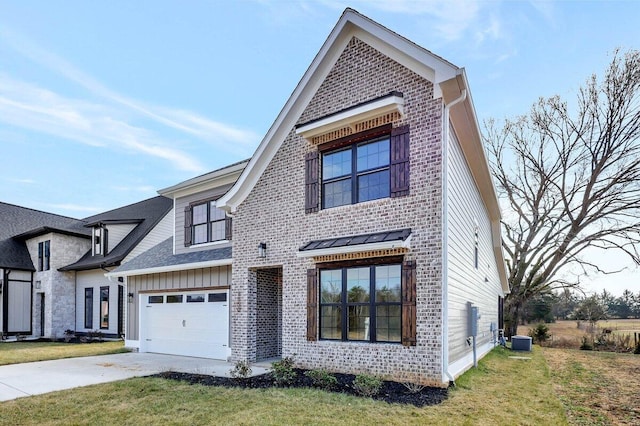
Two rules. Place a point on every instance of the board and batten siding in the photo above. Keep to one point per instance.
(159, 233)
(466, 283)
(180, 204)
(192, 279)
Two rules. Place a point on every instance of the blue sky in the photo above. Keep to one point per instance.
(104, 103)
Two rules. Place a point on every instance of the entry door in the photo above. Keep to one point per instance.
(41, 314)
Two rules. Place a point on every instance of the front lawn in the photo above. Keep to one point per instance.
(502, 390)
(18, 352)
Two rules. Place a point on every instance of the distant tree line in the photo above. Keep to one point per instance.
(569, 305)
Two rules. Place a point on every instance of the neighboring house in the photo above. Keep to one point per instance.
(53, 266)
(365, 227)
(179, 290)
(33, 245)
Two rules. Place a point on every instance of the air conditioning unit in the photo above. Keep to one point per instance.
(521, 343)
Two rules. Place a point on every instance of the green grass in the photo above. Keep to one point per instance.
(501, 391)
(19, 352)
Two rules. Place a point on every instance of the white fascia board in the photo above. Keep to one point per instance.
(359, 248)
(352, 116)
(205, 182)
(170, 268)
(351, 24)
(292, 110)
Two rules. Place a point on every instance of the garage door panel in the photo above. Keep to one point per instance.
(193, 329)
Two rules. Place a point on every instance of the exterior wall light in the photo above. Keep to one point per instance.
(130, 297)
(262, 250)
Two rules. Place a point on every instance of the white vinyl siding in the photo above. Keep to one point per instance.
(117, 233)
(191, 279)
(180, 204)
(466, 283)
(95, 278)
(158, 234)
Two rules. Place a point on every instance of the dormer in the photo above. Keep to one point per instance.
(100, 245)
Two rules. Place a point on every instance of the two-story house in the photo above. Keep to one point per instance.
(366, 228)
(52, 267)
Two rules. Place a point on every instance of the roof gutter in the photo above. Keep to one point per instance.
(446, 375)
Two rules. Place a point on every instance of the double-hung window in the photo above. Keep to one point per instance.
(361, 303)
(357, 173)
(208, 223)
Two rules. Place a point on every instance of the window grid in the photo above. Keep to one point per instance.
(361, 303)
(208, 223)
(357, 173)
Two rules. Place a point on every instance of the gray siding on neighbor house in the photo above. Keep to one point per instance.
(189, 279)
(160, 232)
(479, 286)
(180, 204)
(117, 233)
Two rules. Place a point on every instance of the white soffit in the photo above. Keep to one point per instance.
(357, 248)
(352, 116)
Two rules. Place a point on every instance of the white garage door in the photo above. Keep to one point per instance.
(194, 323)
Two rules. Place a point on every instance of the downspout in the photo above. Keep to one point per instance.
(445, 237)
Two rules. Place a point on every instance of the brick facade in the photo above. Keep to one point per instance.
(274, 213)
(58, 288)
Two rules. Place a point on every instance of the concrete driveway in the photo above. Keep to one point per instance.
(34, 378)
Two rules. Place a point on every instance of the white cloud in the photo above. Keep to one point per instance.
(31, 107)
(134, 188)
(84, 121)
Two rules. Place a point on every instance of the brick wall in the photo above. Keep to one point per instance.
(274, 213)
(268, 313)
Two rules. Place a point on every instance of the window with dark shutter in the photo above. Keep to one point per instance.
(409, 303)
(187, 226)
(311, 179)
(399, 169)
(228, 230)
(312, 305)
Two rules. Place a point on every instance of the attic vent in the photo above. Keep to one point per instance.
(361, 255)
(357, 118)
(357, 128)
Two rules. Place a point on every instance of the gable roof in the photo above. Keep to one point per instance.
(21, 223)
(449, 83)
(351, 24)
(145, 213)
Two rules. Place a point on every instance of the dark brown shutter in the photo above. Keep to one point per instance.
(409, 303)
(105, 241)
(399, 169)
(312, 305)
(311, 179)
(187, 226)
(228, 230)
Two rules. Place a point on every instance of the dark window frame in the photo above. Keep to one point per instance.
(88, 307)
(355, 175)
(344, 304)
(104, 307)
(47, 255)
(209, 223)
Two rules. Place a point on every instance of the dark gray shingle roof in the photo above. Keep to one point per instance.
(148, 213)
(162, 255)
(19, 223)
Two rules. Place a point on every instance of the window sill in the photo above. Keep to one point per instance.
(211, 244)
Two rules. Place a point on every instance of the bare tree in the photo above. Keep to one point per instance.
(569, 182)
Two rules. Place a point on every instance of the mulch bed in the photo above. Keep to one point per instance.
(391, 392)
